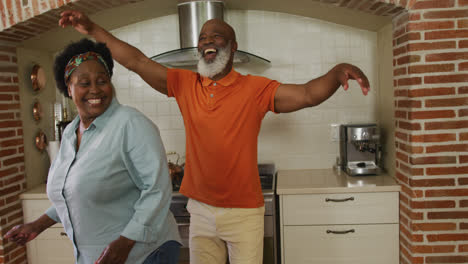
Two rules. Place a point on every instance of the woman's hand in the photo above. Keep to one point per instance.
(116, 252)
(77, 20)
(21, 234)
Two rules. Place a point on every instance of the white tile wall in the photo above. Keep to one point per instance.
(300, 49)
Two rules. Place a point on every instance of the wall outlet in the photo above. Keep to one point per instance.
(334, 132)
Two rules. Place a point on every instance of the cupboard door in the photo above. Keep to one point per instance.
(51, 247)
(340, 208)
(33, 209)
(341, 244)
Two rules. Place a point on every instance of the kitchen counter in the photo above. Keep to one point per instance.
(316, 181)
(38, 192)
(322, 210)
(300, 182)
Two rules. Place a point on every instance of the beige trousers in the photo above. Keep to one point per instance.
(216, 233)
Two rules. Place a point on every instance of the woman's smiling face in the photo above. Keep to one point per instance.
(91, 90)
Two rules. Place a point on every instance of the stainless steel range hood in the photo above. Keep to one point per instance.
(192, 16)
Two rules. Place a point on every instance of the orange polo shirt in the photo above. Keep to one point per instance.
(222, 121)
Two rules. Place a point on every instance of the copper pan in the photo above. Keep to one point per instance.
(38, 78)
(37, 111)
(41, 141)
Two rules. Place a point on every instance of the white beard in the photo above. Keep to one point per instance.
(215, 67)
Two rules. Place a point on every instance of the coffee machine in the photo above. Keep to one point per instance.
(360, 149)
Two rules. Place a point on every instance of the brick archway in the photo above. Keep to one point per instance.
(431, 117)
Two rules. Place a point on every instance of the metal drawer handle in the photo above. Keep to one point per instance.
(63, 234)
(340, 232)
(339, 200)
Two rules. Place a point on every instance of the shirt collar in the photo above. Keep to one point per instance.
(225, 81)
(101, 120)
(98, 122)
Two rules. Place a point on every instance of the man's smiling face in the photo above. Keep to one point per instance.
(216, 47)
(214, 36)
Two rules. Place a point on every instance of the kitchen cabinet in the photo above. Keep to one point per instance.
(51, 246)
(327, 216)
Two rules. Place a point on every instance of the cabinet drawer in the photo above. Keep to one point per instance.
(368, 244)
(344, 208)
(51, 247)
(32, 209)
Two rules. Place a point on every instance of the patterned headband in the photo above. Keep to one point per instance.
(76, 60)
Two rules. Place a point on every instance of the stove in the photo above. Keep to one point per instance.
(267, 173)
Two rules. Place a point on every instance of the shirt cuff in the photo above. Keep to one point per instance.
(138, 232)
(52, 213)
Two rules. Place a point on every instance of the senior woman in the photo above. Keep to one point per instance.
(109, 184)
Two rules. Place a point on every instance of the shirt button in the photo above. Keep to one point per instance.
(211, 95)
(214, 84)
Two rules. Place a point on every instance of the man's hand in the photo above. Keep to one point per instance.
(116, 252)
(292, 97)
(128, 56)
(21, 234)
(347, 71)
(77, 20)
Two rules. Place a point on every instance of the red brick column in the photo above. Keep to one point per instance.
(12, 178)
(431, 102)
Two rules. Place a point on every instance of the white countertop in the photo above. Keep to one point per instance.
(315, 181)
(300, 182)
(38, 192)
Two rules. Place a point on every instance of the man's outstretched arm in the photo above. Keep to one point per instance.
(130, 57)
(293, 97)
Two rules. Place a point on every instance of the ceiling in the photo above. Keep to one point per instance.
(356, 13)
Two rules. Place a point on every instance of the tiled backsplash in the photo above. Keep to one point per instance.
(300, 49)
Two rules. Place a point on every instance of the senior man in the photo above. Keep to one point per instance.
(222, 112)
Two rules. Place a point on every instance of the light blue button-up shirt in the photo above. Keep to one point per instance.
(117, 183)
